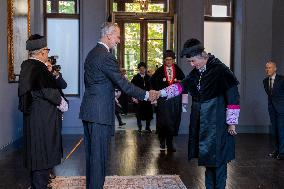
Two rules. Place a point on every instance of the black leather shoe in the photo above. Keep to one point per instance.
(122, 124)
(148, 130)
(280, 157)
(171, 149)
(52, 176)
(163, 145)
(273, 154)
(139, 128)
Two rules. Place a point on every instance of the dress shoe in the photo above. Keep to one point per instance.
(280, 157)
(122, 124)
(148, 130)
(171, 149)
(273, 154)
(139, 128)
(52, 176)
(163, 147)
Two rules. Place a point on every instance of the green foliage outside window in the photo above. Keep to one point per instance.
(48, 6)
(155, 45)
(114, 7)
(67, 7)
(156, 7)
(135, 7)
(132, 7)
(132, 48)
(155, 41)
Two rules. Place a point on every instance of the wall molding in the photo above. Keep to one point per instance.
(12, 145)
(72, 130)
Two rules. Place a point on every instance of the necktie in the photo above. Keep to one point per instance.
(270, 85)
(143, 77)
(170, 74)
(199, 80)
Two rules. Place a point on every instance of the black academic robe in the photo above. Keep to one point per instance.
(209, 140)
(144, 110)
(168, 113)
(38, 100)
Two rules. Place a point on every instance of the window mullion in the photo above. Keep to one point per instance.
(54, 6)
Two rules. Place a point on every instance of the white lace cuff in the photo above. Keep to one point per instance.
(232, 114)
(63, 105)
(171, 91)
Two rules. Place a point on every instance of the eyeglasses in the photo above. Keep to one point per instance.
(46, 49)
(168, 59)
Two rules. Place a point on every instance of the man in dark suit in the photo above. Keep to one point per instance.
(101, 76)
(274, 87)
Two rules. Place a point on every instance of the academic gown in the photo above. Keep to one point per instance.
(38, 100)
(168, 115)
(209, 140)
(144, 110)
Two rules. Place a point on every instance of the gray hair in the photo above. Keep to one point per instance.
(271, 62)
(203, 55)
(108, 28)
(34, 53)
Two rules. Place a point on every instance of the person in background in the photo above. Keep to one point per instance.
(274, 88)
(41, 104)
(168, 111)
(101, 76)
(214, 112)
(144, 110)
(123, 99)
(118, 108)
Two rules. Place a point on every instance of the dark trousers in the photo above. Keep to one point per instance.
(117, 114)
(166, 140)
(215, 177)
(139, 123)
(277, 122)
(39, 179)
(96, 138)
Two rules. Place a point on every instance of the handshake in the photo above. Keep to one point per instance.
(154, 95)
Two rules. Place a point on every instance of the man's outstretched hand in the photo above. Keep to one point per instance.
(154, 95)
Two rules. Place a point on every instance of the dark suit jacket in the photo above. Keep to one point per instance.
(276, 98)
(101, 75)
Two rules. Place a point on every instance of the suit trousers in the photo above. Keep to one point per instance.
(97, 139)
(277, 122)
(139, 123)
(39, 179)
(118, 118)
(166, 140)
(215, 177)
